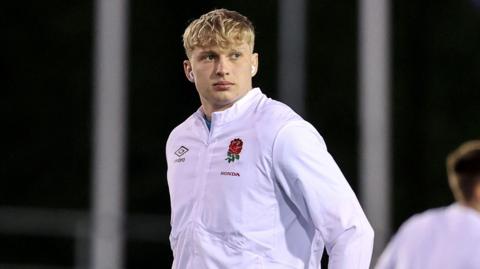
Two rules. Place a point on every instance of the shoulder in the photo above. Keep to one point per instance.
(183, 128)
(467, 218)
(274, 116)
(276, 122)
(421, 222)
(424, 218)
(275, 111)
(413, 234)
(285, 125)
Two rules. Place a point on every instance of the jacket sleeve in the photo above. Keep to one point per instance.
(316, 186)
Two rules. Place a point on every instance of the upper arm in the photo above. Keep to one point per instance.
(313, 181)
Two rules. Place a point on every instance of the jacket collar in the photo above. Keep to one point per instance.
(236, 110)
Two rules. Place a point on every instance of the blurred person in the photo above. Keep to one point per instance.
(449, 237)
(251, 183)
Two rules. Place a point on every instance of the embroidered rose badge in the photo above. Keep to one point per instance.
(234, 150)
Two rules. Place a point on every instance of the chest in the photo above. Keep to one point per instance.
(230, 167)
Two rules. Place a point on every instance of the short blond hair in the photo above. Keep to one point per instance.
(463, 168)
(219, 27)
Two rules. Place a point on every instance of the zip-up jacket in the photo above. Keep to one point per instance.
(260, 190)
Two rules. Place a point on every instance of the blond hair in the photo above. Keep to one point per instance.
(463, 168)
(219, 27)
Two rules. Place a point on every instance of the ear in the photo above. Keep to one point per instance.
(476, 191)
(254, 61)
(187, 68)
(476, 197)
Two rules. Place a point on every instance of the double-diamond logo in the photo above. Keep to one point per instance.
(180, 152)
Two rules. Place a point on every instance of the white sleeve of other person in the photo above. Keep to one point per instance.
(313, 182)
(447, 238)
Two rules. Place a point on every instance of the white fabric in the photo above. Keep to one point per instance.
(446, 238)
(275, 207)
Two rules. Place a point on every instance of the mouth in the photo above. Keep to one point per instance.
(222, 85)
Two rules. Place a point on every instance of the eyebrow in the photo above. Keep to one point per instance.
(216, 53)
(207, 52)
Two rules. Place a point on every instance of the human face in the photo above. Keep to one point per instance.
(221, 76)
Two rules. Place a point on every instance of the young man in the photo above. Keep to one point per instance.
(251, 183)
(447, 238)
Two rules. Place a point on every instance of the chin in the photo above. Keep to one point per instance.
(224, 97)
(224, 102)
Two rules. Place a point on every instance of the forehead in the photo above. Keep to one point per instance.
(242, 46)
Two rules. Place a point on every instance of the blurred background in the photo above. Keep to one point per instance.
(47, 175)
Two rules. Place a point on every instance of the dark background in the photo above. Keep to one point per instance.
(46, 102)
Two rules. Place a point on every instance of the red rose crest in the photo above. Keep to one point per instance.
(234, 150)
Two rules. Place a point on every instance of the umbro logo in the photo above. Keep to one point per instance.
(180, 151)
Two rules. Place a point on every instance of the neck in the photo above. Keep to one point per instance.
(475, 205)
(208, 110)
(475, 202)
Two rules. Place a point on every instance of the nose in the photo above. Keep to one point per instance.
(222, 67)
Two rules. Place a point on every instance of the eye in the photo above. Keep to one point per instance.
(208, 57)
(236, 55)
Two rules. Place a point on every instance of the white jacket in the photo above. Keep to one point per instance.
(273, 202)
(446, 238)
